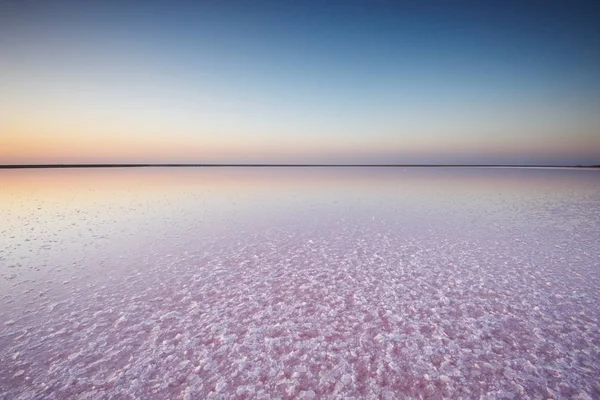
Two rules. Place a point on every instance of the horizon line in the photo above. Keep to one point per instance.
(259, 165)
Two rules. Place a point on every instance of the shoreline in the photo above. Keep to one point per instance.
(181, 165)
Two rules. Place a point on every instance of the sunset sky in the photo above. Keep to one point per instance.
(300, 81)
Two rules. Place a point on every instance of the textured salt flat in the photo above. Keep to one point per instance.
(407, 286)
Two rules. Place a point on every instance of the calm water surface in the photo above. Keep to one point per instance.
(299, 283)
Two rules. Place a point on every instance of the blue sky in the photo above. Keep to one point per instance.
(300, 81)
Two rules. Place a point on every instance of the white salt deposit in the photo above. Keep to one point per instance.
(484, 295)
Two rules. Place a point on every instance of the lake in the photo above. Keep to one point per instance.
(200, 283)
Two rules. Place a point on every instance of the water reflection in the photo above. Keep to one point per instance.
(154, 283)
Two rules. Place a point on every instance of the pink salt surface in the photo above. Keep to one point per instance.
(478, 295)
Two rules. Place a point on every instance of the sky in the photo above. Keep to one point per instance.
(483, 82)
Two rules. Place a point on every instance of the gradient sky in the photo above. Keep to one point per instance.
(300, 81)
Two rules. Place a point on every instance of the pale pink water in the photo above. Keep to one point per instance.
(275, 283)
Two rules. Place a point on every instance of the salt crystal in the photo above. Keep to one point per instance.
(582, 396)
(346, 379)
(221, 385)
(307, 394)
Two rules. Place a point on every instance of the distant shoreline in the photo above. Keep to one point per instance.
(47, 166)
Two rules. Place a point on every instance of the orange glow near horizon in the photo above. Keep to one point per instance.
(64, 133)
(26, 148)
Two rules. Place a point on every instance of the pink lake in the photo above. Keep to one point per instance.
(282, 283)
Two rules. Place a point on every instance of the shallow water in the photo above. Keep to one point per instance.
(299, 283)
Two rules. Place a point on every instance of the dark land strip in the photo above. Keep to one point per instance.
(42, 166)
